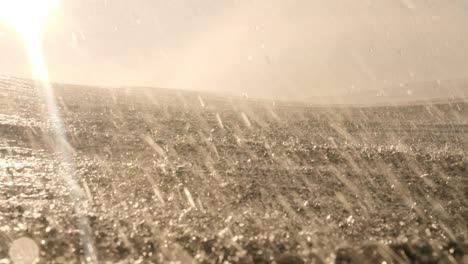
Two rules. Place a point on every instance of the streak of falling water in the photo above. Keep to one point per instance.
(39, 70)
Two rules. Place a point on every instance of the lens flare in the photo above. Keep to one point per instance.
(28, 18)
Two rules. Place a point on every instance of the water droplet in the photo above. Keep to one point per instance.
(24, 251)
(201, 101)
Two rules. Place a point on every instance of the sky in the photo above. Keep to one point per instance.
(265, 48)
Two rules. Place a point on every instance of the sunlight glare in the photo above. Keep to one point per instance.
(26, 16)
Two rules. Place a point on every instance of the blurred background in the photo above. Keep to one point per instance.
(298, 50)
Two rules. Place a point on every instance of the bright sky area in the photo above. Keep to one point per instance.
(268, 48)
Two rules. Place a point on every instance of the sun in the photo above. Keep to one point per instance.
(26, 16)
